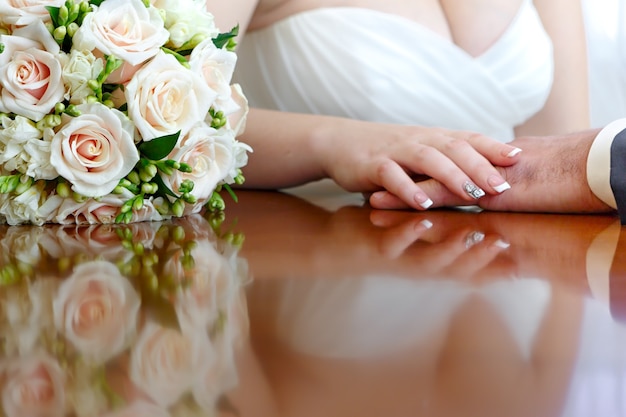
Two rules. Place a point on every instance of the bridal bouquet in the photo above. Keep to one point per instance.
(116, 111)
(120, 320)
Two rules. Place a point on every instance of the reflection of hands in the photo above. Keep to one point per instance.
(549, 177)
(391, 157)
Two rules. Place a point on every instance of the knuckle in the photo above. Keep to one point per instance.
(456, 145)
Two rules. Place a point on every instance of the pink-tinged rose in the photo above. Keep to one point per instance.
(95, 150)
(126, 29)
(238, 112)
(216, 65)
(96, 309)
(164, 98)
(166, 362)
(34, 386)
(25, 12)
(123, 74)
(139, 409)
(103, 210)
(30, 76)
(210, 155)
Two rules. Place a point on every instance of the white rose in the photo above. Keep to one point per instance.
(186, 19)
(216, 66)
(96, 309)
(34, 386)
(126, 29)
(80, 68)
(237, 111)
(164, 97)
(209, 153)
(166, 363)
(95, 150)
(30, 75)
(26, 207)
(23, 150)
(104, 210)
(25, 12)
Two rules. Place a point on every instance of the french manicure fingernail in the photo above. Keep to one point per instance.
(423, 200)
(513, 152)
(473, 190)
(427, 224)
(498, 184)
(501, 244)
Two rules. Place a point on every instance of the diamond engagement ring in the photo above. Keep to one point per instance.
(473, 190)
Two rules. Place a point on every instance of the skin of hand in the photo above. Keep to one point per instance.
(549, 177)
(366, 156)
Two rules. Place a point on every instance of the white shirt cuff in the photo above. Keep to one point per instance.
(599, 162)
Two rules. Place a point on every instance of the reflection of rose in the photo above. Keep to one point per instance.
(139, 409)
(166, 362)
(33, 387)
(96, 308)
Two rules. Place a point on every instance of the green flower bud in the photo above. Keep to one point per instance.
(63, 189)
(178, 208)
(138, 202)
(64, 15)
(72, 28)
(59, 108)
(59, 34)
(133, 177)
(24, 184)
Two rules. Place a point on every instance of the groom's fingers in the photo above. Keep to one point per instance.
(438, 193)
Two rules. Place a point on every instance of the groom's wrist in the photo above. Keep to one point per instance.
(606, 165)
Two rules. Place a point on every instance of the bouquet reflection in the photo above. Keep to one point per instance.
(113, 320)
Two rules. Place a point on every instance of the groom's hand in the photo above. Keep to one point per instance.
(550, 176)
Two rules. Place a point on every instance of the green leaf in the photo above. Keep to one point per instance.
(222, 39)
(96, 2)
(159, 148)
(54, 15)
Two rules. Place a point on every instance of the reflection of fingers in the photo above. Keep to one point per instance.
(396, 240)
(479, 255)
(390, 218)
(438, 256)
(441, 196)
(393, 178)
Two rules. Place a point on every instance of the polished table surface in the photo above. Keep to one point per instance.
(317, 305)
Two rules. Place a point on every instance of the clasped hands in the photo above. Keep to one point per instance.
(401, 167)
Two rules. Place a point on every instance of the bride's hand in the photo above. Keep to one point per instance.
(394, 157)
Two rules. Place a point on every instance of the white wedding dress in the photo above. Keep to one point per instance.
(369, 65)
(605, 23)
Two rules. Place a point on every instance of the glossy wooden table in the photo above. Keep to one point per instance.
(327, 309)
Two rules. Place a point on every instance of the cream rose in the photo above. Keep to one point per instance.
(95, 150)
(34, 386)
(209, 153)
(96, 309)
(165, 362)
(164, 98)
(30, 75)
(126, 29)
(25, 12)
(216, 66)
